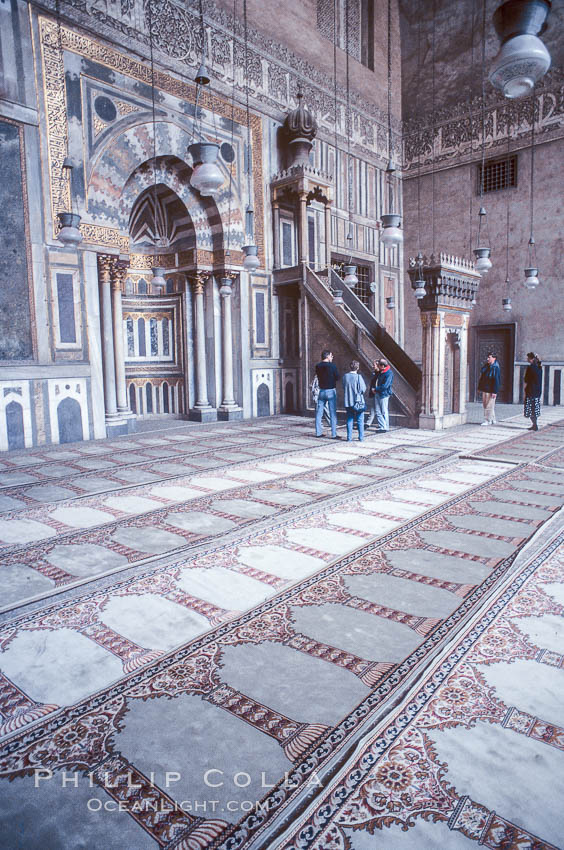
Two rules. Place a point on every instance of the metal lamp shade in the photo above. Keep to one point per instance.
(419, 289)
(207, 177)
(350, 279)
(391, 232)
(69, 234)
(483, 263)
(531, 278)
(519, 65)
(251, 261)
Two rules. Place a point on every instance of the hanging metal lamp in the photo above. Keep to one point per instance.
(207, 177)
(523, 58)
(251, 261)
(531, 272)
(418, 284)
(350, 278)
(391, 222)
(391, 230)
(483, 252)
(69, 233)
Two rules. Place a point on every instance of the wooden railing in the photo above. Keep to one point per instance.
(352, 329)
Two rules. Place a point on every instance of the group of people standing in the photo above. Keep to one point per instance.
(324, 391)
(490, 381)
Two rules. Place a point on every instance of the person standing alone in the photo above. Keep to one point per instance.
(327, 375)
(488, 385)
(533, 390)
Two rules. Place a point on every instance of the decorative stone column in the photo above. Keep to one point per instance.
(202, 411)
(302, 231)
(451, 285)
(118, 272)
(276, 234)
(105, 263)
(229, 408)
(328, 206)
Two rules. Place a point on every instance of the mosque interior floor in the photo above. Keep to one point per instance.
(237, 636)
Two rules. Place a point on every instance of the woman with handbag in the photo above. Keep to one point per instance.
(354, 388)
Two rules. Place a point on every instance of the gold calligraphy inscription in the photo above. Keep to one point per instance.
(53, 41)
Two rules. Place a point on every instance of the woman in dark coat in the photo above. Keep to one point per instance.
(533, 390)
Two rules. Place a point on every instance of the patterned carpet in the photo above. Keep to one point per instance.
(238, 636)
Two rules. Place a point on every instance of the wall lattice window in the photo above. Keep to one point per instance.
(360, 26)
(497, 174)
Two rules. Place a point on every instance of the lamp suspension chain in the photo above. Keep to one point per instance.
(350, 278)
(232, 140)
(337, 181)
(207, 177)
(69, 221)
(390, 147)
(157, 280)
(391, 232)
(419, 283)
(247, 102)
(531, 272)
(251, 261)
(349, 127)
(532, 161)
(483, 252)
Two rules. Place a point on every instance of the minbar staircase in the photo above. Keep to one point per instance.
(358, 327)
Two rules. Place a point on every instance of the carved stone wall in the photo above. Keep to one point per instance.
(298, 55)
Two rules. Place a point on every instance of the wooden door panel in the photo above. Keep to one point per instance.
(500, 339)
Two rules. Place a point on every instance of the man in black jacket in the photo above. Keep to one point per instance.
(327, 375)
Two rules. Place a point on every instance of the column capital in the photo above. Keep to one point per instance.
(118, 272)
(198, 282)
(105, 263)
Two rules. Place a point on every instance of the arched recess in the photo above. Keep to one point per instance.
(124, 169)
(159, 214)
(69, 418)
(15, 425)
(263, 400)
(290, 406)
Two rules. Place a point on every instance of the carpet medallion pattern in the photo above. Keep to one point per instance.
(316, 645)
(398, 777)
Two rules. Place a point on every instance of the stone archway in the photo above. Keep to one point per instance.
(124, 169)
(155, 320)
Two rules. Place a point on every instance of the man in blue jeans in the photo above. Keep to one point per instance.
(327, 375)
